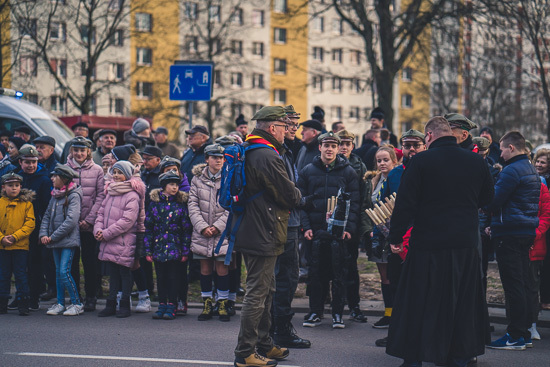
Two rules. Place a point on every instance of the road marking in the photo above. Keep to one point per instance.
(120, 358)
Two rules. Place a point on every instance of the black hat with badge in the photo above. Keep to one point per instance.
(81, 142)
(168, 161)
(329, 137)
(169, 177)
(11, 177)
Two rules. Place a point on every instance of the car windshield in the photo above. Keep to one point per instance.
(57, 130)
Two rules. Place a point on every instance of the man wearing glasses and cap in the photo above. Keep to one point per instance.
(293, 143)
(461, 126)
(197, 139)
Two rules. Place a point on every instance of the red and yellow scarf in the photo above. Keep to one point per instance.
(255, 139)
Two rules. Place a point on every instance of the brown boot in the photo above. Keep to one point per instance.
(276, 353)
(254, 360)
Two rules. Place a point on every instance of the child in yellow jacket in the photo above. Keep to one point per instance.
(16, 225)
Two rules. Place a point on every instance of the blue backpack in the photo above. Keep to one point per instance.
(230, 195)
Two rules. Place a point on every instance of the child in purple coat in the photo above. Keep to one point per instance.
(167, 240)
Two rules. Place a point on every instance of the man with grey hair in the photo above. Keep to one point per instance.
(197, 139)
(262, 235)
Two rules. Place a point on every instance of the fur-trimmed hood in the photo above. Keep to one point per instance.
(198, 169)
(369, 175)
(25, 195)
(181, 196)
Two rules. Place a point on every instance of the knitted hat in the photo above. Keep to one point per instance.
(318, 113)
(122, 152)
(377, 113)
(140, 124)
(240, 120)
(125, 167)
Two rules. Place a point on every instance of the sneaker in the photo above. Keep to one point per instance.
(56, 309)
(170, 313)
(356, 315)
(144, 304)
(277, 353)
(181, 310)
(506, 342)
(337, 322)
(311, 320)
(230, 307)
(160, 311)
(89, 304)
(534, 333)
(74, 310)
(222, 310)
(383, 323)
(14, 305)
(206, 313)
(529, 343)
(381, 342)
(254, 360)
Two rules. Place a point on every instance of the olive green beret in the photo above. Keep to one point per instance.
(329, 137)
(345, 135)
(412, 134)
(270, 113)
(460, 121)
(482, 143)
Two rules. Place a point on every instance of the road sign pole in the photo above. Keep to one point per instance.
(190, 115)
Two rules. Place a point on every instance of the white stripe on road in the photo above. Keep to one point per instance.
(118, 358)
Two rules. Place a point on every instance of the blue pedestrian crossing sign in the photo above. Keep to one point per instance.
(191, 82)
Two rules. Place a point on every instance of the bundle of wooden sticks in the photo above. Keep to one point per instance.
(381, 214)
(331, 204)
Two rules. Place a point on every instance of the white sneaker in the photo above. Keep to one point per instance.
(534, 333)
(74, 310)
(56, 309)
(144, 304)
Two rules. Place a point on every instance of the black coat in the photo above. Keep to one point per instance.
(315, 178)
(306, 154)
(440, 193)
(367, 153)
(294, 147)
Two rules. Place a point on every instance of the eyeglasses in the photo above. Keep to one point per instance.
(415, 145)
(293, 126)
(280, 125)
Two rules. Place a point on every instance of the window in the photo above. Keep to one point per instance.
(190, 11)
(354, 113)
(86, 33)
(406, 101)
(216, 109)
(337, 26)
(191, 44)
(27, 66)
(319, 24)
(355, 85)
(336, 112)
(144, 22)
(84, 69)
(407, 74)
(236, 109)
(279, 6)
(116, 71)
(144, 56)
(115, 5)
(318, 83)
(237, 80)
(93, 105)
(144, 90)
(58, 31)
(117, 38)
(33, 98)
(336, 84)
(258, 18)
(337, 55)
(258, 49)
(59, 67)
(318, 54)
(58, 104)
(279, 96)
(258, 81)
(214, 13)
(355, 57)
(116, 106)
(237, 17)
(217, 78)
(279, 35)
(279, 66)
(237, 47)
(28, 28)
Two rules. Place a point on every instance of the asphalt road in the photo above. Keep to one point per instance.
(41, 340)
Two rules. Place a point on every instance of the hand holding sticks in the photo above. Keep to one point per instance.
(381, 214)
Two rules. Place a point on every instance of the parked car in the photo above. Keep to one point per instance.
(16, 112)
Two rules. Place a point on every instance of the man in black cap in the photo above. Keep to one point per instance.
(46, 148)
(197, 139)
(23, 132)
(79, 129)
(461, 127)
(107, 141)
(377, 122)
(242, 126)
(311, 129)
(161, 137)
(367, 151)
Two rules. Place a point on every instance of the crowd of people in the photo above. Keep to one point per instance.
(130, 209)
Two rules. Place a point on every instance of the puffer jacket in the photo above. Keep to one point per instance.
(168, 229)
(316, 178)
(17, 219)
(130, 137)
(60, 221)
(40, 183)
(118, 219)
(191, 158)
(92, 182)
(365, 224)
(516, 202)
(205, 211)
(306, 154)
(6, 166)
(538, 250)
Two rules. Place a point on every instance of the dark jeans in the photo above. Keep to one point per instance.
(14, 261)
(35, 269)
(183, 287)
(286, 276)
(48, 266)
(167, 281)
(89, 251)
(327, 263)
(148, 271)
(256, 311)
(353, 274)
(120, 279)
(533, 289)
(513, 264)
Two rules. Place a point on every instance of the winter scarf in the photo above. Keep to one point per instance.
(64, 191)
